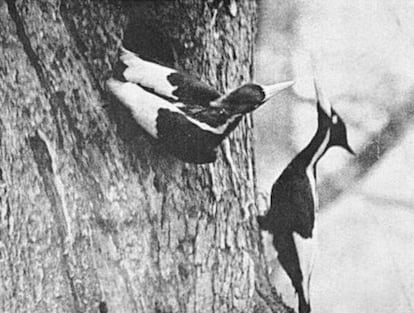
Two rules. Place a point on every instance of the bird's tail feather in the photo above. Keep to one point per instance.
(304, 306)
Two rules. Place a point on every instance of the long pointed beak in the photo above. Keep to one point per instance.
(272, 90)
(321, 100)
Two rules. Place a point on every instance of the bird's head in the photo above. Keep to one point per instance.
(250, 96)
(338, 135)
(328, 116)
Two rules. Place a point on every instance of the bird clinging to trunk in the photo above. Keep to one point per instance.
(185, 115)
(294, 200)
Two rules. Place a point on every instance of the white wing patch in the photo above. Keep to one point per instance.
(307, 252)
(148, 74)
(145, 105)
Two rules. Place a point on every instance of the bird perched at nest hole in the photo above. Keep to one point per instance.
(189, 118)
(294, 200)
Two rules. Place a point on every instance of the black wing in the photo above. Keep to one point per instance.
(164, 81)
(191, 91)
(186, 140)
(289, 259)
(292, 205)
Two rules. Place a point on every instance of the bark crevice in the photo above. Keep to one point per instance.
(81, 48)
(44, 160)
(25, 41)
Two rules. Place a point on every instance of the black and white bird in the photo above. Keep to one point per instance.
(294, 200)
(186, 115)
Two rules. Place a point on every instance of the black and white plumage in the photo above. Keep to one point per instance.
(294, 200)
(187, 116)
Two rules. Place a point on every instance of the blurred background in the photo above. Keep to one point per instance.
(363, 53)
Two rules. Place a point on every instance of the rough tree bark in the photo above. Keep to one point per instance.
(93, 217)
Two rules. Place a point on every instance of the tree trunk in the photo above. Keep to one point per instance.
(93, 216)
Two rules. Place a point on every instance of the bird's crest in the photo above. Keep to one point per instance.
(321, 99)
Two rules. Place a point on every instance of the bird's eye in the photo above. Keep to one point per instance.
(334, 119)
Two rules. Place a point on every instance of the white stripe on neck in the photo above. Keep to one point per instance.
(321, 149)
(310, 169)
(219, 130)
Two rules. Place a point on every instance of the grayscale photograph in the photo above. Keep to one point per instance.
(206, 156)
